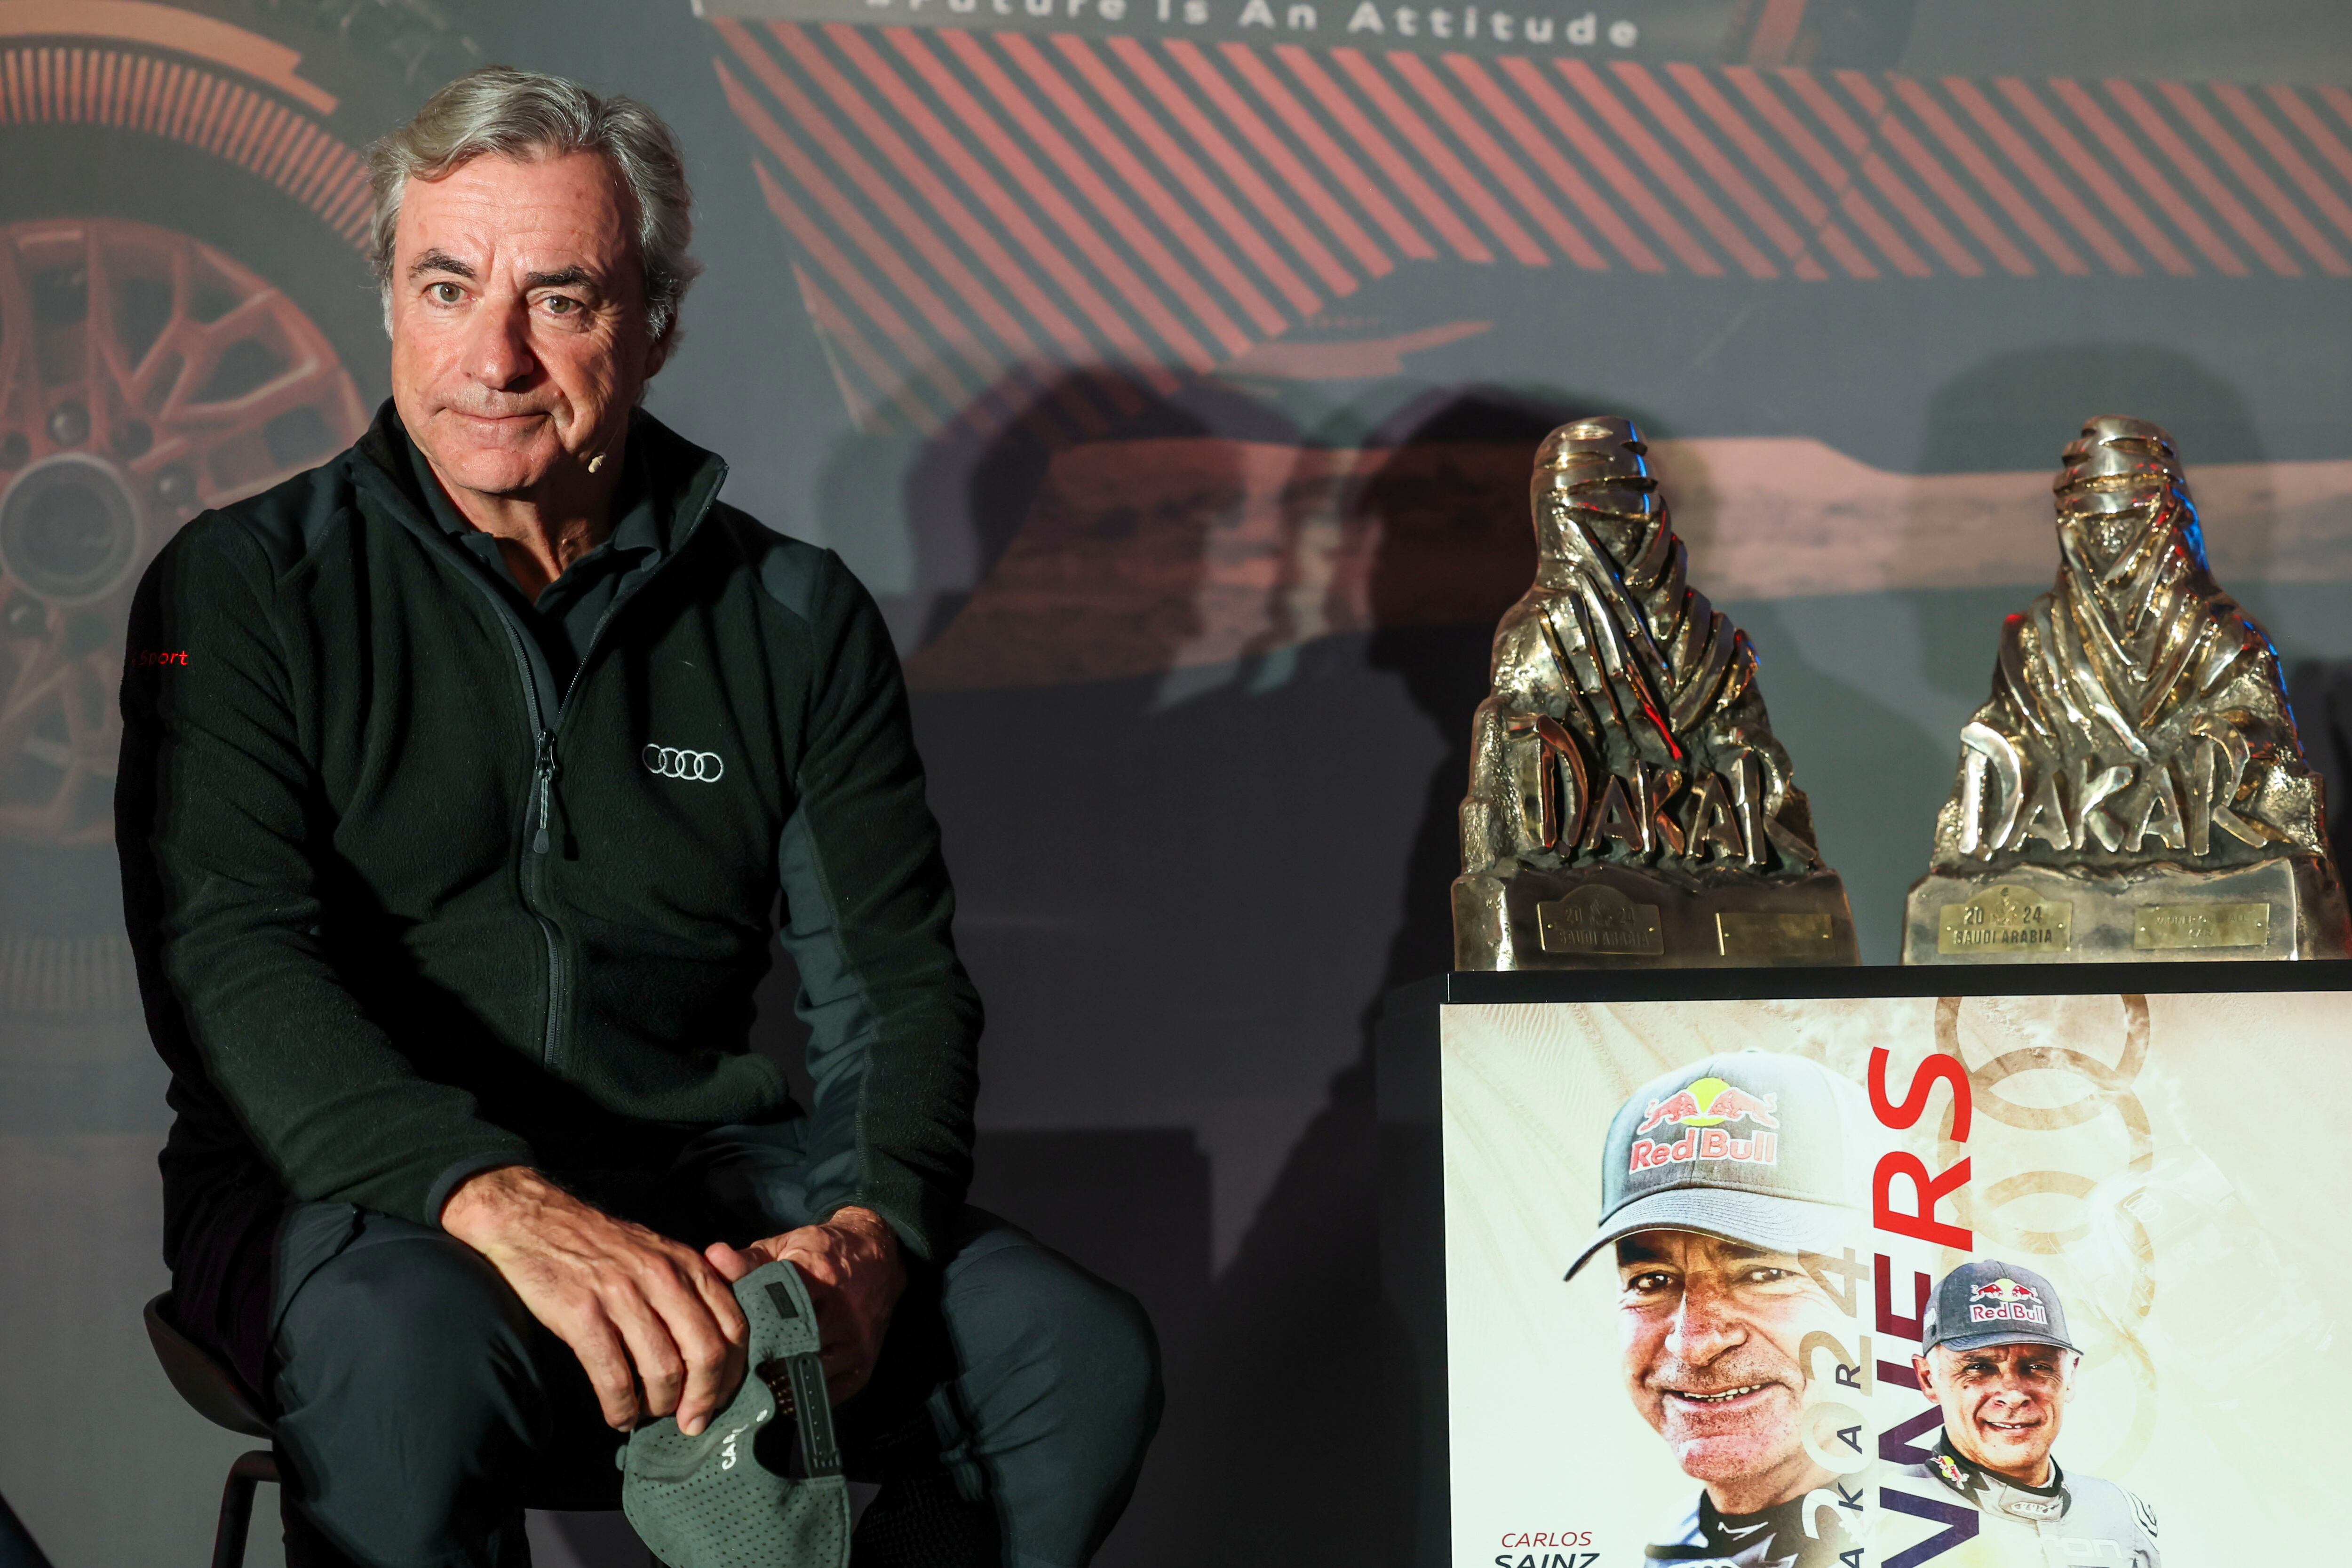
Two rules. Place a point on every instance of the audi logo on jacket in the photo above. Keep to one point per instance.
(702, 767)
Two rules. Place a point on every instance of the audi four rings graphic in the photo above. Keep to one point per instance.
(702, 767)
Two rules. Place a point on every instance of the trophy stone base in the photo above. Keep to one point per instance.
(1615, 917)
(2286, 908)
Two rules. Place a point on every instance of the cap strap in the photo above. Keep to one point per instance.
(814, 1413)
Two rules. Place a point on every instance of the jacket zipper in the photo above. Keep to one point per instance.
(543, 772)
(534, 869)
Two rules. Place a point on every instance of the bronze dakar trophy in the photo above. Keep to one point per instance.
(2134, 788)
(1629, 805)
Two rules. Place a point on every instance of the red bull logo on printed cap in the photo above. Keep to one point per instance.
(1706, 1108)
(1710, 1102)
(2005, 1301)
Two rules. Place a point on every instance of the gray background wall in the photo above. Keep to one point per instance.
(1195, 645)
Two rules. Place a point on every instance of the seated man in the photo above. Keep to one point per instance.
(451, 854)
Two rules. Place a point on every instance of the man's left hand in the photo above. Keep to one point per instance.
(850, 1264)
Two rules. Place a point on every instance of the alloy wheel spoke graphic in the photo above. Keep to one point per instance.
(143, 377)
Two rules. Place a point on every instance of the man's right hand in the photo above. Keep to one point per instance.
(653, 1322)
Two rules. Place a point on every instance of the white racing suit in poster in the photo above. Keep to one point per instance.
(1775, 1538)
(1970, 1518)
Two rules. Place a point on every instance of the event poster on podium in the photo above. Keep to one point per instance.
(1895, 1281)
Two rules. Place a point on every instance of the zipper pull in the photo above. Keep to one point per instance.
(545, 768)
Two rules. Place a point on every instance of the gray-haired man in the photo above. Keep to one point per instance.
(452, 843)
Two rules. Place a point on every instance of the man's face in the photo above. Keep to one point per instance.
(1711, 1335)
(519, 340)
(2002, 1405)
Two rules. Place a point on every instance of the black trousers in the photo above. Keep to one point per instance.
(420, 1408)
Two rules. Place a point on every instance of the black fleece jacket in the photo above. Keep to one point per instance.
(404, 910)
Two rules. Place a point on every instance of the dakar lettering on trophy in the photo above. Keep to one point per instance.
(2006, 801)
(1649, 810)
(1356, 21)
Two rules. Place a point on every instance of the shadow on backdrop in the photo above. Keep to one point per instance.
(2018, 410)
(2320, 692)
(1299, 1325)
(970, 492)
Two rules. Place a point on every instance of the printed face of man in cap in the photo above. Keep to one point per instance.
(1712, 1331)
(2002, 1403)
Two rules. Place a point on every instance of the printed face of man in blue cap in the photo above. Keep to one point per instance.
(1997, 1357)
(1717, 1179)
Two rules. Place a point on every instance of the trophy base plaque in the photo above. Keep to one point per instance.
(2286, 908)
(1614, 917)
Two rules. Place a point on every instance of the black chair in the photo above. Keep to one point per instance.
(214, 1394)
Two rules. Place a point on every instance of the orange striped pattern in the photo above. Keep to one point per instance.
(985, 212)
